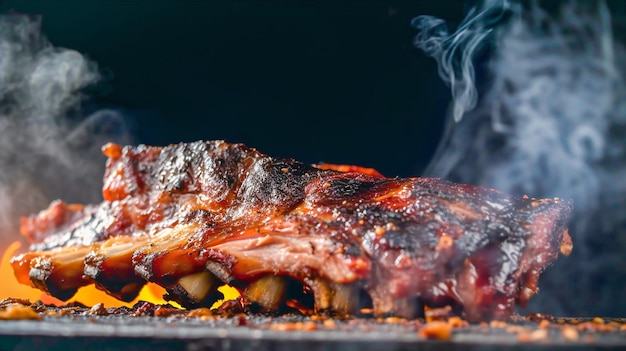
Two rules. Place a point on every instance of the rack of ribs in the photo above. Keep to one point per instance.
(291, 236)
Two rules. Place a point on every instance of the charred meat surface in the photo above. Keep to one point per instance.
(319, 239)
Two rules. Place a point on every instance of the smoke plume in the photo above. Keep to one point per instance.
(48, 149)
(550, 122)
(454, 52)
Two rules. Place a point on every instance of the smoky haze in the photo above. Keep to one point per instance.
(550, 121)
(48, 148)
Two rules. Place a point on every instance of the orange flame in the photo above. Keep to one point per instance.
(87, 295)
(11, 287)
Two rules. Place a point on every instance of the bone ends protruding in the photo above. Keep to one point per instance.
(334, 298)
(60, 276)
(195, 290)
(266, 293)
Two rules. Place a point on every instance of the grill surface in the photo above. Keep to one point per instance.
(260, 333)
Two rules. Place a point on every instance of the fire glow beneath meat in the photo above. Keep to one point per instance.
(289, 236)
(88, 295)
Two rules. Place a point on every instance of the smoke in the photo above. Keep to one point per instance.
(454, 52)
(48, 149)
(550, 122)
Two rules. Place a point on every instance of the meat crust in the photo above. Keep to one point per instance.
(191, 217)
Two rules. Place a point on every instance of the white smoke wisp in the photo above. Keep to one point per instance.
(48, 149)
(454, 52)
(552, 123)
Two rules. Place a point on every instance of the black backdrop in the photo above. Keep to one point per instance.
(334, 81)
(331, 81)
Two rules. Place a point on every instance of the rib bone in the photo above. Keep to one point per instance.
(268, 292)
(194, 290)
(336, 298)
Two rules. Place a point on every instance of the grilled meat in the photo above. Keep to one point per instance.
(191, 217)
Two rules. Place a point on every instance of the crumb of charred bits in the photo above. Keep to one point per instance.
(533, 336)
(439, 330)
(98, 310)
(16, 309)
(592, 325)
(570, 333)
(292, 326)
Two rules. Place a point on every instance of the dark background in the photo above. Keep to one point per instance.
(331, 81)
(320, 81)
